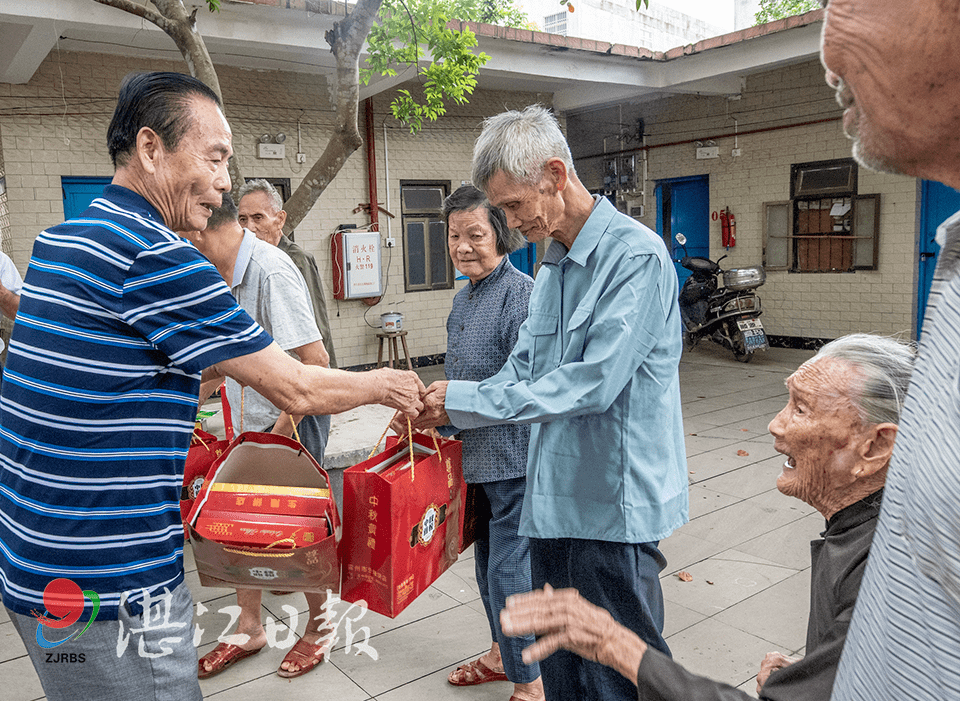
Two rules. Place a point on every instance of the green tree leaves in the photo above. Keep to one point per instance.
(411, 30)
(771, 10)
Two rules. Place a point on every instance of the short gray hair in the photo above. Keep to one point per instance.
(261, 185)
(519, 143)
(884, 366)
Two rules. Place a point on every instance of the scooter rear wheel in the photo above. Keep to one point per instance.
(739, 343)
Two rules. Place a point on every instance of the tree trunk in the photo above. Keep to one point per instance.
(346, 40)
(172, 17)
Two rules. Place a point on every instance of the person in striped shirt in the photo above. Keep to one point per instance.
(896, 71)
(119, 318)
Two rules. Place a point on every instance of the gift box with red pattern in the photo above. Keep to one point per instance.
(252, 549)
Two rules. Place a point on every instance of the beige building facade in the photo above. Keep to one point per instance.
(781, 118)
(54, 127)
(756, 96)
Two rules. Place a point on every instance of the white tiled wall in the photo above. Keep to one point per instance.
(796, 304)
(55, 125)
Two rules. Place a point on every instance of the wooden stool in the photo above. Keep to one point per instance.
(392, 352)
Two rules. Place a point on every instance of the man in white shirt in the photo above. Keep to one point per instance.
(10, 285)
(270, 288)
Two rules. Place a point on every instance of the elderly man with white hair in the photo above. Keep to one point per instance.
(595, 371)
(837, 432)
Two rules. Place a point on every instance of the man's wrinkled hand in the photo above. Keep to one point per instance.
(559, 619)
(433, 414)
(398, 424)
(772, 661)
(403, 391)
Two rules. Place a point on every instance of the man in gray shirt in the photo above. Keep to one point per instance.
(261, 211)
(269, 287)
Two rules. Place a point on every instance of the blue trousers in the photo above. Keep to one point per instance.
(314, 432)
(624, 579)
(503, 568)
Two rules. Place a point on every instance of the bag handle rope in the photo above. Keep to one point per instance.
(409, 442)
(293, 423)
(289, 539)
(289, 553)
(201, 441)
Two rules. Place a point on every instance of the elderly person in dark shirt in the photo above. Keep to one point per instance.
(837, 432)
(481, 331)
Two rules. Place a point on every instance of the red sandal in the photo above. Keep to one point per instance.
(222, 656)
(305, 655)
(474, 673)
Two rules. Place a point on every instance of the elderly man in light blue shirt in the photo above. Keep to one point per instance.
(595, 370)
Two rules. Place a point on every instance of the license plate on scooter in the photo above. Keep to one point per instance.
(753, 334)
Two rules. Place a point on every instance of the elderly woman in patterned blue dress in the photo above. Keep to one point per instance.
(481, 331)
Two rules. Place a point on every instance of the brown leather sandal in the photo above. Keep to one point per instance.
(222, 656)
(305, 655)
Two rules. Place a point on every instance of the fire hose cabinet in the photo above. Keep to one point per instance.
(356, 264)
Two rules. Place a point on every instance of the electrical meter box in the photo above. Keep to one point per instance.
(356, 264)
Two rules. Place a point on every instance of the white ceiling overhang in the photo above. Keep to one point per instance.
(264, 38)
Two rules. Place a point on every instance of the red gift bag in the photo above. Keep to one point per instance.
(402, 522)
(475, 520)
(205, 448)
(280, 530)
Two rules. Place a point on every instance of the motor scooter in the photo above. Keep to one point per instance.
(727, 315)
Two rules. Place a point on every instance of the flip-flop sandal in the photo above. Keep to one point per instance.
(474, 673)
(222, 656)
(305, 655)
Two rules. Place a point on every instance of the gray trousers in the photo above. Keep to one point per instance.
(150, 657)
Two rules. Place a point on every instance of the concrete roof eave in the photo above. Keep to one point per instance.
(581, 74)
(248, 36)
(586, 78)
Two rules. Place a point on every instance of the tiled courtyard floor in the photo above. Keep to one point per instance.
(746, 546)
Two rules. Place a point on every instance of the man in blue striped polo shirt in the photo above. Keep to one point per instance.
(118, 319)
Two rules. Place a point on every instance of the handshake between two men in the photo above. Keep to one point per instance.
(430, 412)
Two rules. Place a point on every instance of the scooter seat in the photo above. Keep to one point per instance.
(700, 265)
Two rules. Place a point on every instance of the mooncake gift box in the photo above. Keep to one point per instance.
(269, 466)
(403, 518)
(267, 499)
(265, 530)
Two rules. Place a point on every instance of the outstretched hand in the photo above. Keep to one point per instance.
(398, 424)
(564, 619)
(403, 390)
(772, 661)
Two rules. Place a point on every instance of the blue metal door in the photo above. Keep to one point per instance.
(523, 258)
(937, 203)
(683, 207)
(79, 192)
